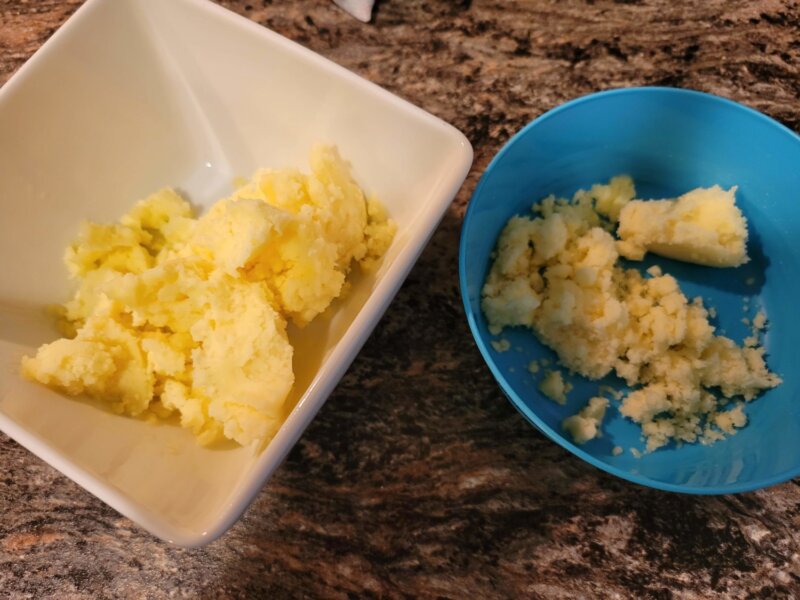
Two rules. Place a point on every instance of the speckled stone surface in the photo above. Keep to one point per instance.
(418, 479)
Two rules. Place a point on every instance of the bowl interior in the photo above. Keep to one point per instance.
(669, 141)
(133, 95)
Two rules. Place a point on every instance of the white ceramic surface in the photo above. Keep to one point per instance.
(132, 95)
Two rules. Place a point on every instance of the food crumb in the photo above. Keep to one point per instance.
(745, 321)
(636, 453)
(554, 387)
(585, 425)
(750, 281)
(655, 271)
(501, 345)
(758, 324)
(533, 367)
(712, 312)
(730, 420)
(617, 450)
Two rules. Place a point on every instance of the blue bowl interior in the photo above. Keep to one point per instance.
(669, 141)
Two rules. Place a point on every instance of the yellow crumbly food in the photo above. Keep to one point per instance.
(703, 226)
(557, 273)
(758, 325)
(175, 314)
(554, 387)
(585, 425)
(501, 345)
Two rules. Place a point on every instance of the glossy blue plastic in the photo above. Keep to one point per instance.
(669, 141)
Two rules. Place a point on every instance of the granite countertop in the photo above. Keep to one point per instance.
(417, 478)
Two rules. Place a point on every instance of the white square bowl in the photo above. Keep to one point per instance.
(133, 95)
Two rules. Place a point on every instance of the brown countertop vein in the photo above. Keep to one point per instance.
(418, 479)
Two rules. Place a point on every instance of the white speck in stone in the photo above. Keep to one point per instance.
(755, 533)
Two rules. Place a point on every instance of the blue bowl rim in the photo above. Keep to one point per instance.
(509, 391)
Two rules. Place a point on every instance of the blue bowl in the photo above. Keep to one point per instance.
(669, 141)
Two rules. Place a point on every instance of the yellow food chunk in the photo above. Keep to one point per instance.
(133, 244)
(557, 272)
(585, 425)
(501, 345)
(703, 226)
(612, 197)
(327, 223)
(104, 360)
(175, 314)
(554, 387)
(728, 421)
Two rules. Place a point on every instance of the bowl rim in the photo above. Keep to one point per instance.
(482, 344)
